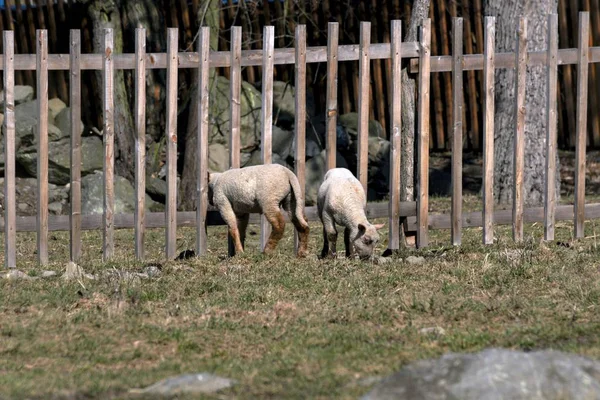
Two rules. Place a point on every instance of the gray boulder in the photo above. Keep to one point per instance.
(22, 94)
(187, 384)
(157, 188)
(63, 121)
(218, 157)
(349, 122)
(59, 159)
(55, 106)
(495, 374)
(26, 124)
(92, 196)
(379, 168)
(284, 103)
(282, 142)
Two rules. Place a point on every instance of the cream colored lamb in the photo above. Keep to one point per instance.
(259, 189)
(341, 200)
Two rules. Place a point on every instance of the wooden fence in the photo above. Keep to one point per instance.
(417, 212)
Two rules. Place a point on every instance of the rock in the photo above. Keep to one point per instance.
(379, 168)
(26, 124)
(92, 187)
(74, 271)
(152, 271)
(22, 94)
(349, 122)
(157, 188)
(48, 274)
(315, 171)
(415, 260)
(282, 142)
(495, 374)
(250, 124)
(63, 122)
(284, 105)
(15, 274)
(218, 157)
(187, 384)
(55, 208)
(22, 206)
(432, 331)
(55, 106)
(59, 159)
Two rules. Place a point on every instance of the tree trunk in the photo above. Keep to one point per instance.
(420, 11)
(506, 13)
(208, 15)
(105, 14)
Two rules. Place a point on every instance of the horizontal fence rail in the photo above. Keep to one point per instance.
(420, 60)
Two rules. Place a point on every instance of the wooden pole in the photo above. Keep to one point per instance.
(457, 131)
(395, 136)
(552, 82)
(171, 132)
(300, 121)
(140, 148)
(202, 150)
(108, 133)
(42, 144)
(519, 141)
(75, 104)
(332, 91)
(489, 55)
(10, 199)
(363, 104)
(235, 88)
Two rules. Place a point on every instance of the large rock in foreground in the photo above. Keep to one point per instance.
(495, 374)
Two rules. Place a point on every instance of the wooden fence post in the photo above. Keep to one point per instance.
(202, 150)
(489, 60)
(300, 120)
(581, 129)
(140, 148)
(10, 200)
(235, 85)
(75, 104)
(332, 92)
(423, 134)
(457, 128)
(552, 83)
(42, 144)
(363, 104)
(395, 136)
(171, 132)
(108, 133)
(267, 115)
(519, 141)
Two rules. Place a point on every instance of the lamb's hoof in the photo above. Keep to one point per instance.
(302, 254)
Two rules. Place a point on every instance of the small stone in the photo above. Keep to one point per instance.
(433, 331)
(15, 274)
(415, 260)
(74, 271)
(55, 208)
(187, 384)
(382, 260)
(48, 274)
(22, 206)
(152, 271)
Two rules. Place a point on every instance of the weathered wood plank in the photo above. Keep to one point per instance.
(171, 132)
(488, 130)
(395, 136)
(140, 148)
(363, 104)
(42, 144)
(10, 199)
(300, 120)
(235, 87)
(519, 140)
(202, 149)
(581, 122)
(457, 129)
(267, 114)
(108, 133)
(75, 105)
(550, 196)
(332, 91)
(423, 135)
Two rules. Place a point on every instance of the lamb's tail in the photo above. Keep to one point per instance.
(297, 203)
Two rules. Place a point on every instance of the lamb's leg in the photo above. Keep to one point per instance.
(347, 242)
(277, 221)
(331, 235)
(303, 231)
(242, 221)
(325, 250)
(230, 219)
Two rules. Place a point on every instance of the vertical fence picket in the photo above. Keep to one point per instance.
(363, 103)
(395, 136)
(519, 140)
(423, 135)
(108, 134)
(42, 144)
(489, 59)
(332, 91)
(75, 104)
(140, 148)
(581, 121)
(171, 132)
(300, 120)
(202, 149)
(457, 129)
(10, 200)
(235, 85)
(551, 119)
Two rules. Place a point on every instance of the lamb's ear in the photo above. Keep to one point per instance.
(361, 228)
(379, 226)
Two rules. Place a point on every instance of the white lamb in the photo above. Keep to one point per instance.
(259, 189)
(341, 200)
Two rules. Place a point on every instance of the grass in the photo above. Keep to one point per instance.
(288, 328)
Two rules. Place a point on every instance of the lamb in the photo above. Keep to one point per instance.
(259, 189)
(341, 200)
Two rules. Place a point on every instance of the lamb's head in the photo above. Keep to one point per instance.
(212, 180)
(365, 242)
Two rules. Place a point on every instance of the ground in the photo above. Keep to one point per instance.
(289, 328)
